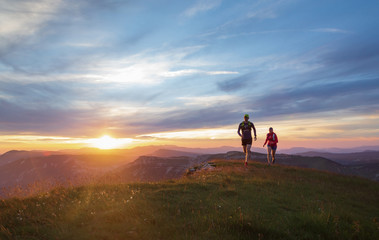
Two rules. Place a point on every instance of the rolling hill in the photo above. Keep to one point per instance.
(355, 158)
(56, 168)
(228, 202)
(22, 168)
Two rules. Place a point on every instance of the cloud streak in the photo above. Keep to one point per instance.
(201, 6)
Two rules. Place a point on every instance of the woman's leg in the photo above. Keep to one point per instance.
(268, 154)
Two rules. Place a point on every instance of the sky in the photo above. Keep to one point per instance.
(185, 72)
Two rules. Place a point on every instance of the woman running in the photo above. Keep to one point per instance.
(272, 140)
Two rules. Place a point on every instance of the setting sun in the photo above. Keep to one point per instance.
(107, 142)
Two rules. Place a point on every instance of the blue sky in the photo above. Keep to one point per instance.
(180, 70)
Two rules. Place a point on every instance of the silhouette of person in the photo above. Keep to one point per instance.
(244, 131)
(272, 140)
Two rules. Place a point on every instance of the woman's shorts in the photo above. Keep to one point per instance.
(248, 141)
(273, 147)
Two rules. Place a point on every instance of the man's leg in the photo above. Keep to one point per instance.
(273, 155)
(248, 153)
(268, 155)
(244, 150)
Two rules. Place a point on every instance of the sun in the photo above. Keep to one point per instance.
(106, 142)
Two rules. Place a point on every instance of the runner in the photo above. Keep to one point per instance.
(246, 137)
(272, 140)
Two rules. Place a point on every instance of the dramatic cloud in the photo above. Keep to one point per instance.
(77, 69)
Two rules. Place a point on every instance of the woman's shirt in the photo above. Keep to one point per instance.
(272, 139)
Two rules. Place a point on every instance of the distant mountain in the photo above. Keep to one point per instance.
(56, 168)
(222, 149)
(26, 167)
(255, 148)
(298, 150)
(365, 157)
(15, 155)
(152, 168)
(368, 170)
(172, 153)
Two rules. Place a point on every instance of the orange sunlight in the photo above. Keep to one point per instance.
(107, 142)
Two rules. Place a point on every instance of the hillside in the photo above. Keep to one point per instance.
(356, 158)
(152, 168)
(228, 202)
(26, 170)
(56, 168)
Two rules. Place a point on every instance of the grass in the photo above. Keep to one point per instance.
(229, 202)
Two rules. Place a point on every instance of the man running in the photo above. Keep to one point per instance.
(272, 140)
(246, 137)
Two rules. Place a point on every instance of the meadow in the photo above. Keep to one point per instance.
(228, 202)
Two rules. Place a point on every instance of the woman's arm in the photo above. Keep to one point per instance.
(266, 140)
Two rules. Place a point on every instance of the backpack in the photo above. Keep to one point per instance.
(250, 124)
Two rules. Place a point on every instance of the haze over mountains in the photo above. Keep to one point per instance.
(153, 163)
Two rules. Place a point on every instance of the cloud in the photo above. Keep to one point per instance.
(202, 6)
(221, 72)
(187, 72)
(80, 67)
(237, 83)
(22, 20)
(180, 73)
(330, 30)
(43, 120)
(208, 101)
(41, 37)
(357, 51)
(151, 67)
(320, 97)
(263, 9)
(214, 133)
(355, 56)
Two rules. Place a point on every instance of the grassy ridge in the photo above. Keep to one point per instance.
(230, 202)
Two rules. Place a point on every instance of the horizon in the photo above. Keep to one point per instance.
(120, 74)
(362, 148)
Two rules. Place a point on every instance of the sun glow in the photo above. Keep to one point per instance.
(107, 142)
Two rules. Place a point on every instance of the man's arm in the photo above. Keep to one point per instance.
(255, 133)
(239, 129)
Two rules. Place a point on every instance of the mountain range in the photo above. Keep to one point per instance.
(22, 168)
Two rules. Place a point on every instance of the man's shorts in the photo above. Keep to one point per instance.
(248, 141)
